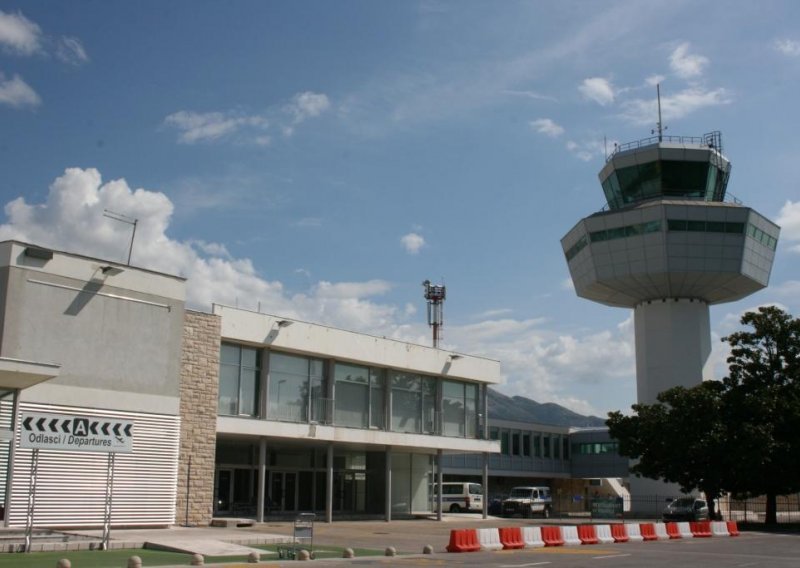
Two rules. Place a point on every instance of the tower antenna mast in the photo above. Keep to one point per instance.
(124, 219)
(435, 295)
(660, 128)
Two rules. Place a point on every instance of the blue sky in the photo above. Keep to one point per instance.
(319, 160)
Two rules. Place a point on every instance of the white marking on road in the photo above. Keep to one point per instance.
(610, 556)
(523, 565)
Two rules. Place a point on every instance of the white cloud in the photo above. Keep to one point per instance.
(568, 284)
(685, 64)
(70, 50)
(654, 80)
(683, 103)
(17, 93)
(788, 47)
(548, 127)
(71, 218)
(19, 35)
(308, 105)
(598, 89)
(588, 150)
(489, 314)
(197, 127)
(789, 221)
(412, 242)
(247, 128)
(531, 95)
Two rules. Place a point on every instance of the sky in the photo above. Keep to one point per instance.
(319, 160)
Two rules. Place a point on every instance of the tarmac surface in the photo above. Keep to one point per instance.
(409, 537)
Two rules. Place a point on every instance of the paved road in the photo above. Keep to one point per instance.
(748, 550)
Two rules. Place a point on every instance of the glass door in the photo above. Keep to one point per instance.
(223, 490)
(283, 491)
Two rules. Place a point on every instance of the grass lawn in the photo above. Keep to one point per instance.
(117, 558)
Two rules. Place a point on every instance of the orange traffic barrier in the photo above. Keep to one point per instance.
(511, 537)
(648, 531)
(552, 536)
(673, 530)
(733, 528)
(619, 533)
(587, 534)
(463, 540)
(701, 529)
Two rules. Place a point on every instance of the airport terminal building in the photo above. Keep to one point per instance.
(230, 413)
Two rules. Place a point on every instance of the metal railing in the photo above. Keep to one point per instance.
(709, 140)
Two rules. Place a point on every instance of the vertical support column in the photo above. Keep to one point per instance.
(109, 498)
(439, 480)
(31, 498)
(12, 455)
(329, 486)
(388, 496)
(485, 484)
(262, 480)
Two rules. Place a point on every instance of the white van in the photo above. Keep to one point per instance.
(459, 496)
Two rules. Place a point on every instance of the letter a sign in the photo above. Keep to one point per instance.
(80, 427)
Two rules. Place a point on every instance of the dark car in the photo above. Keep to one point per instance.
(686, 509)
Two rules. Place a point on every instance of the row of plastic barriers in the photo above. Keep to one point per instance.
(471, 540)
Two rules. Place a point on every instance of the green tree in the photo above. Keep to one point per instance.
(763, 405)
(682, 438)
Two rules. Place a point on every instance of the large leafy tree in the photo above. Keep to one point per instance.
(681, 439)
(763, 405)
(741, 434)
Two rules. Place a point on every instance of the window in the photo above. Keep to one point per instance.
(296, 386)
(556, 448)
(238, 380)
(413, 403)
(453, 408)
(515, 449)
(566, 448)
(537, 445)
(546, 446)
(359, 396)
(504, 449)
(526, 444)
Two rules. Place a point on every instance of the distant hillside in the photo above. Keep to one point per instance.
(521, 409)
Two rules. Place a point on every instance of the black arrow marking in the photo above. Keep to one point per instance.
(93, 427)
(116, 428)
(65, 426)
(27, 423)
(104, 429)
(128, 430)
(40, 424)
(54, 425)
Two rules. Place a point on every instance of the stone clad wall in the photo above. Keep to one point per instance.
(199, 391)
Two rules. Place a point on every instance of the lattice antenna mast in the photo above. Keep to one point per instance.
(660, 128)
(435, 295)
(124, 219)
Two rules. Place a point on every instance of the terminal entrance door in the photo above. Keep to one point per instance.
(283, 491)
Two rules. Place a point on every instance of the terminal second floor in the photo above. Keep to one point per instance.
(288, 379)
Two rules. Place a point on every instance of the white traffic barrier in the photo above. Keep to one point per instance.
(532, 537)
(719, 528)
(489, 539)
(603, 533)
(685, 530)
(661, 531)
(634, 532)
(570, 535)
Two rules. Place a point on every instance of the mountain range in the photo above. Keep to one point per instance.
(521, 409)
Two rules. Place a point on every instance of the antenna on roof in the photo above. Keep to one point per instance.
(124, 219)
(435, 294)
(660, 128)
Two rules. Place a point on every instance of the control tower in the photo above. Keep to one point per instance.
(669, 244)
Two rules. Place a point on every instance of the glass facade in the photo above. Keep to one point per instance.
(298, 390)
(238, 380)
(682, 179)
